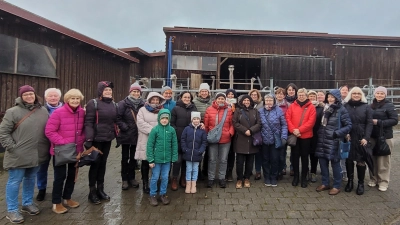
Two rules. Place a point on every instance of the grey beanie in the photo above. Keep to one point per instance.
(195, 115)
(164, 89)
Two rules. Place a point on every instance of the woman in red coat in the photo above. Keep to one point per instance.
(300, 118)
(220, 150)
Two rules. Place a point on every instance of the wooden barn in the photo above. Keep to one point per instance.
(41, 53)
(313, 60)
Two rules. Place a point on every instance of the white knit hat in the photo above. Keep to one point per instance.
(204, 86)
(195, 115)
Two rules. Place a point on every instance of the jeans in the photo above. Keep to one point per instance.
(15, 176)
(301, 150)
(97, 170)
(336, 169)
(179, 166)
(220, 152)
(61, 174)
(258, 160)
(192, 170)
(128, 162)
(246, 160)
(42, 175)
(163, 170)
(270, 162)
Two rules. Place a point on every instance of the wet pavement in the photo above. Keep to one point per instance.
(256, 205)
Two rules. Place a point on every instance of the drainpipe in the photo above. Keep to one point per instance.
(170, 41)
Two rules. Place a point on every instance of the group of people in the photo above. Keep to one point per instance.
(190, 138)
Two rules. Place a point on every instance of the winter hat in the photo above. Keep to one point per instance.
(102, 85)
(164, 115)
(164, 89)
(382, 89)
(220, 94)
(312, 92)
(135, 86)
(25, 88)
(195, 115)
(204, 86)
(233, 92)
(269, 96)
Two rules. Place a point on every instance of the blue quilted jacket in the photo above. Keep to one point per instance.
(272, 121)
(193, 143)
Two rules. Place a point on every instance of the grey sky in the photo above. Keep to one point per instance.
(133, 23)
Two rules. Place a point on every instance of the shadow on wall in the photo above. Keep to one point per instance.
(1, 147)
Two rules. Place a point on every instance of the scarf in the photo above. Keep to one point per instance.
(51, 108)
(153, 108)
(355, 103)
(31, 106)
(315, 103)
(105, 99)
(376, 105)
(204, 100)
(328, 110)
(135, 101)
(302, 103)
(283, 102)
(290, 99)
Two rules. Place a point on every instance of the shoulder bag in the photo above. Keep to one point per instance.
(215, 134)
(344, 146)
(381, 148)
(22, 120)
(292, 139)
(257, 137)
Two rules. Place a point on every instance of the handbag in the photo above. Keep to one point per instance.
(215, 134)
(381, 148)
(344, 146)
(292, 139)
(64, 154)
(89, 156)
(257, 137)
(277, 135)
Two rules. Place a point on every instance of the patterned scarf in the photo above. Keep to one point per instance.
(154, 108)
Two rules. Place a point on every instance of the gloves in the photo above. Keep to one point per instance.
(88, 144)
(283, 141)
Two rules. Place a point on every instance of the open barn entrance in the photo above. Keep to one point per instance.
(244, 70)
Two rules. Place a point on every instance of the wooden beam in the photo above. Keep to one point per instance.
(46, 49)
(16, 55)
(223, 61)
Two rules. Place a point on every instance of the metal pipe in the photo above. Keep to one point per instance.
(169, 62)
(256, 54)
(374, 46)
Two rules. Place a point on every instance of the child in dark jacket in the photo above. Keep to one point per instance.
(194, 142)
(162, 149)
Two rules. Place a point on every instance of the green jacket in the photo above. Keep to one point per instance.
(201, 106)
(27, 146)
(162, 145)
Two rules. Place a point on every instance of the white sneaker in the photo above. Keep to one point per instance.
(372, 183)
(382, 188)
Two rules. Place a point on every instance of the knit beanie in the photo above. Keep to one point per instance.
(382, 89)
(195, 115)
(269, 96)
(164, 89)
(220, 94)
(164, 115)
(135, 86)
(25, 88)
(204, 86)
(233, 92)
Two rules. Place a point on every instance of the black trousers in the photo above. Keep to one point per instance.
(60, 189)
(313, 158)
(301, 150)
(128, 162)
(246, 160)
(205, 161)
(231, 158)
(97, 170)
(179, 165)
(144, 169)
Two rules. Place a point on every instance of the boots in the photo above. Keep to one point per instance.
(93, 195)
(304, 180)
(125, 185)
(350, 175)
(174, 184)
(295, 181)
(101, 193)
(188, 186)
(193, 187)
(229, 176)
(146, 188)
(182, 181)
(361, 176)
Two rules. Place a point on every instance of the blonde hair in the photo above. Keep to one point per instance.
(302, 90)
(58, 91)
(73, 93)
(258, 94)
(356, 89)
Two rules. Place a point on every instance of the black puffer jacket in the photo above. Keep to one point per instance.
(128, 133)
(319, 108)
(361, 119)
(101, 128)
(386, 115)
(180, 118)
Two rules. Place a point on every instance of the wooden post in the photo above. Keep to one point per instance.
(218, 70)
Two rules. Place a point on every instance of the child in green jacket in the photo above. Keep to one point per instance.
(162, 149)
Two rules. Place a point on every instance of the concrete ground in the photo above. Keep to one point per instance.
(256, 205)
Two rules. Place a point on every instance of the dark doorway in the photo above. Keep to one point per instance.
(245, 69)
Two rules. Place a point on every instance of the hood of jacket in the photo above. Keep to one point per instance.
(243, 97)
(164, 111)
(156, 94)
(102, 85)
(335, 93)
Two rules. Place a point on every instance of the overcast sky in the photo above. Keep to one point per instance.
(133, 23)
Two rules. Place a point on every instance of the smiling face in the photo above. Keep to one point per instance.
(291, 91)
(246, 102)
(167, 94)
(331, 99)
(356, 96)
(186, 98)
(107, 92)
(301, 96)
(53, 98)
(135, 94)
(269, 102)
(254, 96)
(204, 93)
(230, 95)
(74, 102)
(344, 91)
(155, 100)
(380, 95)
(164, 121)
(280, 96)
(220, 100)
(29, 97)
(320, 96)
(312, 97)
(196, 121)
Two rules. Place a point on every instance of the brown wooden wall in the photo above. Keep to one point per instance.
(78, 66)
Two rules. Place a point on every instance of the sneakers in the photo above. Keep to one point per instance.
(165, 200)
(274, 183)
(71, 203)
(222, 183)
(267, 183)
(41, 194)
(372, 183)
(153, 200)
(210, 183)
(313, 177)
(59, 208)
(246, 183)
(30, 209)
(239, 184)
(382, 188)
(134, 183)
(125, 185)
(15, 217)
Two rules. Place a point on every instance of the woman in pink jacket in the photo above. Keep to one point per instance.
(63, 127)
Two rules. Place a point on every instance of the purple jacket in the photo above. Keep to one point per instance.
(62, 126)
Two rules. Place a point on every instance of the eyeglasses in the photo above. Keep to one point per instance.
(28, 94)
(167, 93)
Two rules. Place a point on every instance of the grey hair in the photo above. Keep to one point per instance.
(356, 89)
(58, 91)
(302, 90)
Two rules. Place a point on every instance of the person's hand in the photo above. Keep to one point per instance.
(348, 138)
(296, 132)
(248, 133)
(88, 144)
(152, 165)
(202, 126)
(363, 142)
(375, 121)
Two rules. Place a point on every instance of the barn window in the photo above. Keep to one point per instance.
(24, 57)
(181, 62)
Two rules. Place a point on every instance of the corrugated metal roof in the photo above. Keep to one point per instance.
(14, 10)
(276, 33)
(142, 52)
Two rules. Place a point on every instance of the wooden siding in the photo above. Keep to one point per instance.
(78, 66)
